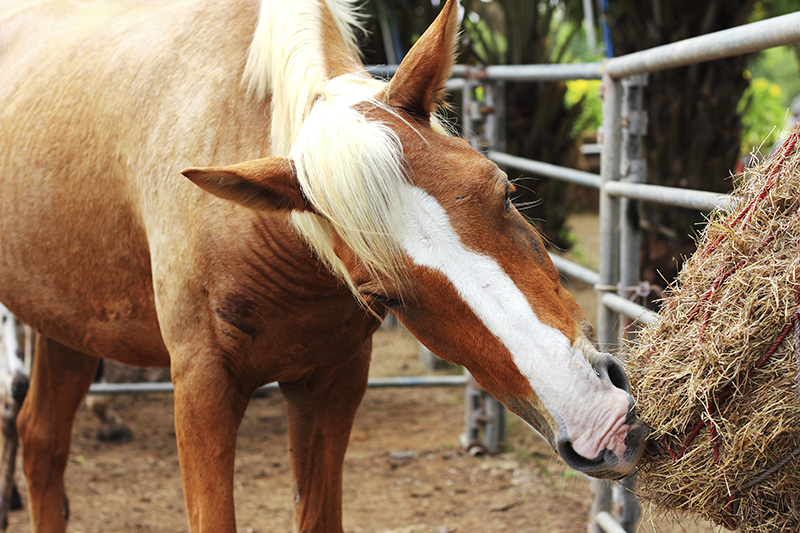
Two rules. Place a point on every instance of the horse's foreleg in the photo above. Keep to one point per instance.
(209, 405)
(321, 411)
(61, 378)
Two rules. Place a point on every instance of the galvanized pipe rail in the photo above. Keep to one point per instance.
(688, 198)
(571, 175)
(546, 72)
(754, 37)
(374, 383)
(615, 191)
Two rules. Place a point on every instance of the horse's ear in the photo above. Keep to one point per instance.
(418, 84)
(269, 183)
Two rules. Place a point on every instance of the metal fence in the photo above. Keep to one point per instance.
(620, 180)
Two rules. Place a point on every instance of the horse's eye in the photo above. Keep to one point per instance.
(391, 303)
(374, 298)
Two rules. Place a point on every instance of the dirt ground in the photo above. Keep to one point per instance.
(405, 471)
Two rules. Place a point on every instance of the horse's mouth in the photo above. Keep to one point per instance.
(608, 464)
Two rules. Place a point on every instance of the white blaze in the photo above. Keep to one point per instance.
(561, 377)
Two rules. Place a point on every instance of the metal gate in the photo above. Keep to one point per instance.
(621, 180)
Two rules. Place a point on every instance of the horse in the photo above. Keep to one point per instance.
(220, 187)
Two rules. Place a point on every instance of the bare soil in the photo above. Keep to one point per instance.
(405, 471)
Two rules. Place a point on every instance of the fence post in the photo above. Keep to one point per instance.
(494, 113)
(484, 128)
(607, 320)
(633, 169)
(469, 111)
(469, 116)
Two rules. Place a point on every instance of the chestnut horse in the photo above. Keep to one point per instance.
(353, 200)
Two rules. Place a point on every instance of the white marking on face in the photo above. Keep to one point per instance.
(561, 377)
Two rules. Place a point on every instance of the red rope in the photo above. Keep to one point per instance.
(723, 277)
(786, 149)
(727, 391)
(782, 335)
(691, 438)
(669, 450)
(706, 299)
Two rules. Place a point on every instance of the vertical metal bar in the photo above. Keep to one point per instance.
(484, 128)
(633, 169)
(609, 210)
(493, 138)
(488, 113)
(588, 24)
(601, 502)
(497, 140)
(630, 509)
(470, 398)
(470, 114)
(472, 410)
(467, 126)
(607, 320)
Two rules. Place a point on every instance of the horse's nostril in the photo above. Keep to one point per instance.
(610, 369)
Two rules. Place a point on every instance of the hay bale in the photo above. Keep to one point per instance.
(716, 378)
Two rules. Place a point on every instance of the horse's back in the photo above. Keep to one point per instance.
(101, 104)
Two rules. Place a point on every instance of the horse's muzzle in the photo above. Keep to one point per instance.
(609, 464)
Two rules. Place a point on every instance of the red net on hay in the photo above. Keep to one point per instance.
(716, 377)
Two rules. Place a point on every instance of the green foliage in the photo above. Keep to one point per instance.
(513, 32)
(763, 114)
(774, 76)
(585, 93)
(780, 66)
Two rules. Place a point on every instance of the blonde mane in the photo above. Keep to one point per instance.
(351, 170)
(286, 59)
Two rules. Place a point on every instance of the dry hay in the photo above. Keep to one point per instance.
(716, 377)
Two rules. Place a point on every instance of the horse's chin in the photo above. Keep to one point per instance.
(608, 464)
